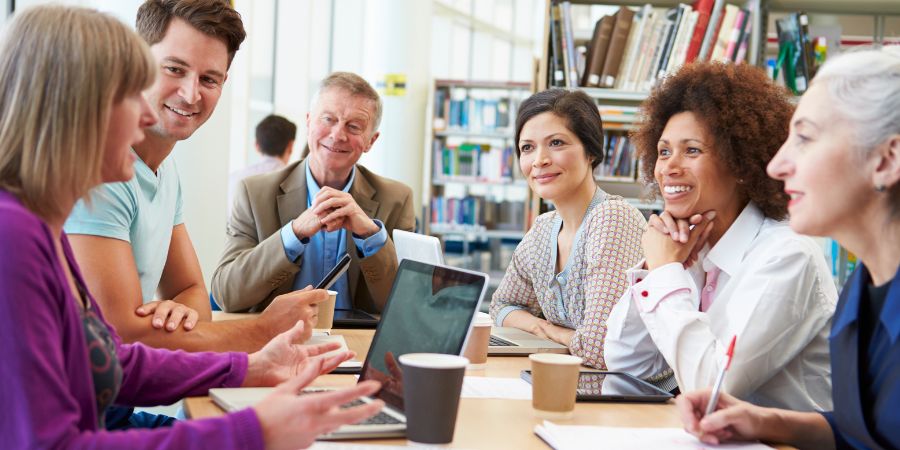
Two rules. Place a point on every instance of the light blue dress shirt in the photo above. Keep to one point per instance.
(322, 250)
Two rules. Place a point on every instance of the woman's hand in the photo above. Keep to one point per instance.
(556, 333)
(169, 313)
(290, 420)
(285, 357)
(669, 240)
(733, 420)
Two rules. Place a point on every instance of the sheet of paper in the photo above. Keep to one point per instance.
(489, 387)
(348, 446)
(325, 338)
(566, 437)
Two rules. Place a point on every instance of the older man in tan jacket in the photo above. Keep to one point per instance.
(288, 228)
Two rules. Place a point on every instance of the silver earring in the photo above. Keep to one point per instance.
(879, 188)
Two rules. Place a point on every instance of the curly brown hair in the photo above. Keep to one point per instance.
(746, 114)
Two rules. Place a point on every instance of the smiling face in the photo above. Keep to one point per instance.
(340, 129)
(127, 119)
(691, 176)
(552, 158)
(193, 68)
(828, 183)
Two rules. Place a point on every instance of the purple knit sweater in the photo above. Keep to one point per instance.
(46, 387)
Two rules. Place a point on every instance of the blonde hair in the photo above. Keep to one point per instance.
(61, 70)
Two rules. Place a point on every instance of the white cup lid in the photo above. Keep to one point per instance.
(555, 358)
(482, 320)
(434, 360)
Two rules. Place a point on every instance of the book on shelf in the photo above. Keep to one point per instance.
(597, 55)
(473, 162)
(617, 42)
(477, 211)
(619, 161)
(795, 53)
(474, 110)
(634, 48)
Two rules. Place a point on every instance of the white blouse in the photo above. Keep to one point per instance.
(774, 292)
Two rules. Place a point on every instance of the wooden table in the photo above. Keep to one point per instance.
(491, 423)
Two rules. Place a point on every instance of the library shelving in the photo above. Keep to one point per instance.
(475, 196)
(620, 57)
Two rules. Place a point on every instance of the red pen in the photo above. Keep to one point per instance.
(717, 388)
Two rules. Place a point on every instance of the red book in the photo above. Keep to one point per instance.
(704, 9)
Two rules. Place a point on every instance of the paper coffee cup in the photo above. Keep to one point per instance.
(432, 383)
(326, 312)
(479, 338)
(554, 382)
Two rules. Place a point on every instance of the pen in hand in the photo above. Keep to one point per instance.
(717, 388)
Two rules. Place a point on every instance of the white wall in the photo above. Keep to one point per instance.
(313, 38)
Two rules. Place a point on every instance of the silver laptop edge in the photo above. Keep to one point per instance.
(524, 342)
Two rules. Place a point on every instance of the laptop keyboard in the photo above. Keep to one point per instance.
(381, 418)
(497, 342)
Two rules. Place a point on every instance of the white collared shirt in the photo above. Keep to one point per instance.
(774, 292)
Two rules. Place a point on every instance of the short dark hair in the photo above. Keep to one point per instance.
(214, 18)
(274, 133)
(745, 112)
(577, 109)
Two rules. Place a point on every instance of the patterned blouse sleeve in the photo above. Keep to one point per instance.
(613, 246)
(516, 291)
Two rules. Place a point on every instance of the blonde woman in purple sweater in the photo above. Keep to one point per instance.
(70, 108)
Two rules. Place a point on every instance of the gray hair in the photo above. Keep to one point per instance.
(864, 86)
(356, 86)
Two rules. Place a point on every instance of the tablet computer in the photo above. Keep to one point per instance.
(596, 386)
(353, 318)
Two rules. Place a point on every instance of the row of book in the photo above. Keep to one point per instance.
(474, 162)
(619, 159)
(631, 50)
(472, 110)
(797, 57)
(478, 211)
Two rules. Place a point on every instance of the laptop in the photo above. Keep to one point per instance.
(418, 247)
(510, 341)
(430, 309)
(504, 341)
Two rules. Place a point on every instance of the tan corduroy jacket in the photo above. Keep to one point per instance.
(254, 269)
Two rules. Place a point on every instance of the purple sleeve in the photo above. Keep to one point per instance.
(155, 376)
(46, 383)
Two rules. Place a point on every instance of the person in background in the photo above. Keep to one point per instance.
(70, 108)
(275, 137)
(720, 260)
(841, 168)
(567, 273)
(131, 240)
(289, 228)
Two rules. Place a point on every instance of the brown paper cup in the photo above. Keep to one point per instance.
(554, 380)
(477, 346)
(326, 312)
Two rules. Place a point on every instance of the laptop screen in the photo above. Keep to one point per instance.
(429, 310)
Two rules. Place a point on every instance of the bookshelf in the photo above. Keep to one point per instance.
(476, 197)
(567, 51)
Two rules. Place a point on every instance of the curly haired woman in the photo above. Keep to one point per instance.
(721, 261)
